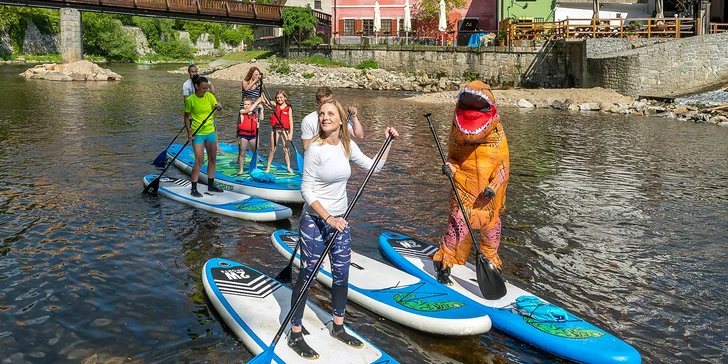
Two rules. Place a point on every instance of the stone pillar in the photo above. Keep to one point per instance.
(71, 35)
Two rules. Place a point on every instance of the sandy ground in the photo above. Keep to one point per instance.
(538, 97)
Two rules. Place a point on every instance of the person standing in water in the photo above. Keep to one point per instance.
(188, 88)
(310, 123)
(281, 122)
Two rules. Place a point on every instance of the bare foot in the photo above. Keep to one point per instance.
(220, 152)
(290, 170)
(267, 170)
(240, 173)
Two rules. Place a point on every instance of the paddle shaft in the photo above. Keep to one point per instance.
(175, 138)
(178, 153)
(329, 244)
(454, 188)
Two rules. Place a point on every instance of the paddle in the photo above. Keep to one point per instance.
(267, 355)
(254, 160)
(490, 281)
(299, 157)
(154, 186)
(162, 157)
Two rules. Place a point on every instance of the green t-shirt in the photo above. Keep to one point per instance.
(199, 108)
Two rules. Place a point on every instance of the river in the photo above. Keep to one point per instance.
(621, 220)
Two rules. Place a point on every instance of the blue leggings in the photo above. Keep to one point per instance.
(314, 233)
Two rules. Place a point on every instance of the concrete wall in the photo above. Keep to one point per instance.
(663, 69)
(549, 65)
(71, 35)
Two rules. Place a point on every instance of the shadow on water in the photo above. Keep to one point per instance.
(621, 220)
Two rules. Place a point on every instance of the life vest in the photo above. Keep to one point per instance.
(249, 125)
(282, 114)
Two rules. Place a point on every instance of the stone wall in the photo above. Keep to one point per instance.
(36, 42)
(71, 35)
(665, 69)
(142, 45)
(548, 65)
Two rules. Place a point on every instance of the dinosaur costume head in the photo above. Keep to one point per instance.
(475, 114)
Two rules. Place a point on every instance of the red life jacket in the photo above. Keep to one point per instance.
(249, 125)
(284, 115)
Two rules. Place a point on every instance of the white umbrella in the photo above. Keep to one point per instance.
(407, 21)
(442, 26)
(659, 11)
(377, 20)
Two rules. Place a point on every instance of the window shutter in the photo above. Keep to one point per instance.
(340, 28)
(358, 26)
(394, 27)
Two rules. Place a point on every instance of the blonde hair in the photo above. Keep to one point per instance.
(343, 130)
(285, 95)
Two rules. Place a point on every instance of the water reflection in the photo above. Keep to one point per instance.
(619, 219)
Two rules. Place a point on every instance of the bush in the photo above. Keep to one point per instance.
(369, 63)
(308, 75)
(471, 75)
(176, 49)
(103, 36)
(280, 65)
(316, 40)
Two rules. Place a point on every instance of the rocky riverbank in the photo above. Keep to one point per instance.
(444, 90)
(75, 71)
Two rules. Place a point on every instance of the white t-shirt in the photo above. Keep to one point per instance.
(310, 126)
(188, 88)
(325, 173)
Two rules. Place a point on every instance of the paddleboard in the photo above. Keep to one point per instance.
(226, 203)
(253, 305)
(519, 313)
(286, 188)
(399, 296)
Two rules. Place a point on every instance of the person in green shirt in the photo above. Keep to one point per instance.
(197, 107)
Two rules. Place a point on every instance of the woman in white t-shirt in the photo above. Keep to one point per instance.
(326, 170)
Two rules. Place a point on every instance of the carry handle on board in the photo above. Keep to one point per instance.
(267, 355)
(490, 281)
(154, 186)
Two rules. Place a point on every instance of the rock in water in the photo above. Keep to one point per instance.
(76, 71)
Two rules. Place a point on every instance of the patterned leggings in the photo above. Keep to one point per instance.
(314, 233)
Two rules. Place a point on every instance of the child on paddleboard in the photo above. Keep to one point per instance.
(281, 120)
(248, 125)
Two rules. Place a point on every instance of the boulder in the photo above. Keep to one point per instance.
(524, 104)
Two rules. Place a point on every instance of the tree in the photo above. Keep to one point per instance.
(103, 36)
(300, 21)
(431, 8)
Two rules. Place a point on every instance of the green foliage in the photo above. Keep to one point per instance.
(195, 28)
(471, 75)
(322, 62)
(15, 20)
(280, 65)
(299, 22)
(312, 41)
(368, 64)
(308, 75)
(103, 36)
(501, 35)
(156, 30)
(176, 49)
(431, 8)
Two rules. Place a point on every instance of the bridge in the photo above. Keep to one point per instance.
(226, 11)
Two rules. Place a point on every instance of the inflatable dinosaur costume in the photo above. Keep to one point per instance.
(479, 152)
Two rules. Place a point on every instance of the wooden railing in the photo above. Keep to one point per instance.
(222, 8)
(605, 28)
(718, 27)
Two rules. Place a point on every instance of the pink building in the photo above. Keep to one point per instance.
(355, 18)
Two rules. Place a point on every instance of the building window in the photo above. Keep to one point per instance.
(317, 4)
(386, 27)
(349, 25)
(368, 28)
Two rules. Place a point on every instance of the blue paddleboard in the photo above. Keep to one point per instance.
(518, 313)
(286, 188)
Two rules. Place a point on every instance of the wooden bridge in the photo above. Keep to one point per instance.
(206, 10)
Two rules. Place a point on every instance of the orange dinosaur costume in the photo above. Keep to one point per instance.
(479, 152)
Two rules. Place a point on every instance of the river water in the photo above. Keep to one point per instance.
(620, 220)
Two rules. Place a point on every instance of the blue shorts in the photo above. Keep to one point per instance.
(246, 137)
(207, 138)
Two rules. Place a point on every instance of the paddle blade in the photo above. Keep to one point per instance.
(253, 161)
(266, 357)
(152, 187)
(299, 160)
(490, 281)
(161, 159)
(285, 275)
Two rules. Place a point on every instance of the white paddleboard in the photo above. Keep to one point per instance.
(253, 306)
(225, 203)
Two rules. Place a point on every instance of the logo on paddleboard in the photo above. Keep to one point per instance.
(235, 274)
(409, 244)
(415, 302)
